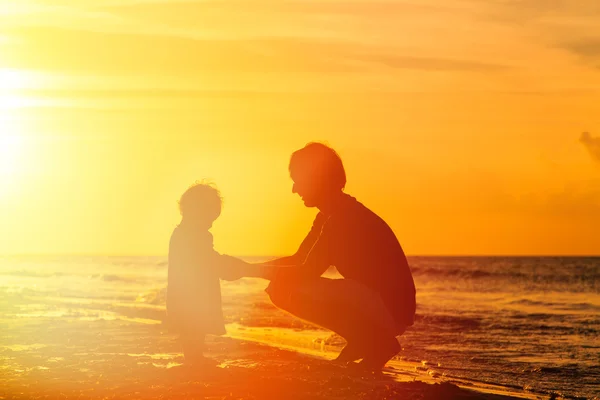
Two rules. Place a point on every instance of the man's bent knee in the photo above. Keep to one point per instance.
(280, 293)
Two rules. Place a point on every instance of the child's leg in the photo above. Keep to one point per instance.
(193, 347)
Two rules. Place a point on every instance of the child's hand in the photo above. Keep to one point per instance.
(232, 268)
(230, 274)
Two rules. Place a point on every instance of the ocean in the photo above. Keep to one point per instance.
(531, 324)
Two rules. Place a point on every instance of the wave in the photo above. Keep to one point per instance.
(119, 278)
(33, 274)
(492, 275)
(454, 272)
(483, 273)
(75, 274)
(557, 306)
(448, 322)
(156, 296)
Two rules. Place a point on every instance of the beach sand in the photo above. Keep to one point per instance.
(48, 358)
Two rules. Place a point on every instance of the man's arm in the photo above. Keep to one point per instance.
(289, 260)
(314, 265)
(305, 247)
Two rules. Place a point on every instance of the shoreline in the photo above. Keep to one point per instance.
(127, 360)
(402, 371)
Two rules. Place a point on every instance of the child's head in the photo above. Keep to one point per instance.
(201, 203)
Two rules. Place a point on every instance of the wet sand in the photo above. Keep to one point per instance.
(49, 358)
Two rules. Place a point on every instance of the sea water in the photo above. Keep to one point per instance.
(530, 323)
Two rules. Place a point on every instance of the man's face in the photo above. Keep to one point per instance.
(307, 187)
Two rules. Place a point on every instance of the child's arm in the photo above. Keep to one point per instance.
(233, 268)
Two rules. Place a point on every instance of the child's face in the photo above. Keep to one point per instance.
(206, 222)
(201, 219)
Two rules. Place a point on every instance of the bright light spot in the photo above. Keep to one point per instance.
(10, 138)
(13, 140)
(15, 8)
(11, 145)
(12, 102)
(11, 79)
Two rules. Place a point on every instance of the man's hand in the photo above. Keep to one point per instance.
(233, 269)
(283, 273)
(268, 272)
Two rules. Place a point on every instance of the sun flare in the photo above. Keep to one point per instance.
(11, 137)
(10, 150)
(12, 143)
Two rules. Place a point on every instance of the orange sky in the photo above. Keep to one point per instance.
(459, 121)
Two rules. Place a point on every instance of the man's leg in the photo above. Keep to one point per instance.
(346, 307)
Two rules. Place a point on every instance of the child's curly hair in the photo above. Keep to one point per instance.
(201, 200)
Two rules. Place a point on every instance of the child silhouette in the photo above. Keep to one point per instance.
(194, 292)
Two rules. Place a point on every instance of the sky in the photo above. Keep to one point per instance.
(472, 127)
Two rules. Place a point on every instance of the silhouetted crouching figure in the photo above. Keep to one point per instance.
(375, 302)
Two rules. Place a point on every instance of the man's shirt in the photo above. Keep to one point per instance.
(364, 248)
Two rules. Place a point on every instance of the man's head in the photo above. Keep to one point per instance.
(200, 204)
(317, 172)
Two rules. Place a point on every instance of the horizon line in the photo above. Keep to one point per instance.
(532, 255)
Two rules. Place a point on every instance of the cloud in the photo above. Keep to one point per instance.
(592, 144)
(183, 38)
(323, 7)
(576, 200)
(573, 26)
(227, 18)
(70, 50)
(588, 48)
(428, 63)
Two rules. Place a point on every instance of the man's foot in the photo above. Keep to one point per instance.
(349, 354)
(382, 354)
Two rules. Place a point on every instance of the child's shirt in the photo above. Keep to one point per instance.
(194, 291)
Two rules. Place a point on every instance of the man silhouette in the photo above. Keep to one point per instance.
(375, 302)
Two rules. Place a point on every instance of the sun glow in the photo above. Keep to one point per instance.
(11, 137)
(11, 146)
(11, 81)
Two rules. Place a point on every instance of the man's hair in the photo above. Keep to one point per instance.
(202, 199)
(322, 159)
